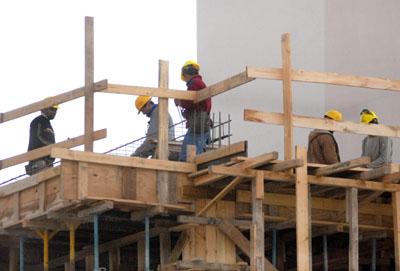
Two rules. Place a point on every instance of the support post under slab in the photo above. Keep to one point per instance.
(72, 247)
(147, 244)
(325, 245)
(274, 248)
(96, 242)
(46, 250)
(373, 260)
(21, 253)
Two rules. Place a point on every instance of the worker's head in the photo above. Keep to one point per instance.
(333, 115)
(368, 117)
(189, 69)
(50, 112)
(143, 104)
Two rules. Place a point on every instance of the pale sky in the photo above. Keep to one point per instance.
(42, 55)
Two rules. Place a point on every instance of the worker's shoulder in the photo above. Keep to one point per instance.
(39, 119)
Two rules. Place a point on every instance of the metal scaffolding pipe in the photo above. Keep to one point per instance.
(21, 253)
(71, 246)
(325, 247)
(46, 250)
(147, 244)
(373, 261)
(274, 247)
(96, 242)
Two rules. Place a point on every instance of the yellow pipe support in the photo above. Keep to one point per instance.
(71, 244)
(46, 250)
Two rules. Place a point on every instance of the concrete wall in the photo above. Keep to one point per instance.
(362, 39)
(235, 33)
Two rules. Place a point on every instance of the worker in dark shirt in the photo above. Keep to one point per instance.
(41, 134)
(197, 115)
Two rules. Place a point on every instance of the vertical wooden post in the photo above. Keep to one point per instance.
(303, 237)
(165, 247)
(352, 216)
(396, 227)
(257, 248)
(89, 89)
(287, 96)
(13, 259)
(140, 254)
(114, 259)
(163, 123)
(89, 263)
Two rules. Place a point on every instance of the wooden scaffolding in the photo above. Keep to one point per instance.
(219, 210)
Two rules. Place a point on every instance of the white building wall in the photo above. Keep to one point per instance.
(362, 38)
(235, 33)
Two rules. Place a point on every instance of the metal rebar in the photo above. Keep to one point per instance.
(219, 129)
(229, 129)
(147, 244)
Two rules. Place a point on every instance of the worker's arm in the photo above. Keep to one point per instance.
(145, 150)
(385, 153)
(329, 150)
(45, 134)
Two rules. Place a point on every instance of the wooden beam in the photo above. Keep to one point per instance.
(153, 92)
(203, 265)
(342, 166)
(287, 96)
(375, 173)
(205, 171)
(285, 165)
(58, 99)
(165, 247)
(89, 88)
(324, 124)
(142, 214)
(327, 78)
(179, 246)
(141, 255)
(163, 187)
(352, 219)
(257, 250)
(44, 151)
(389, 178)
(221, 152)
(98, 208)
(200, 220)
(122, 161)
(303, 224)
(396, 228)
(223, 86)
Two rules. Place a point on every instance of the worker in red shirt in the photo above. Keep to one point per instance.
(197, 115)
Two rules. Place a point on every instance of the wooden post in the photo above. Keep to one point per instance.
(257, 250)
(89, 89)
(303, 237)
(396, 227)
(140, 254)
(163, 123)
(352, 217)
(89, 263)
(165, 247)
(287, 96)
(13, 259)
(114, 259)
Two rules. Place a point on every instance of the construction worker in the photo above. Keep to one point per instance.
(147, 107)
(377, 148)
(197, 115)
(41, 134)
(322, 146)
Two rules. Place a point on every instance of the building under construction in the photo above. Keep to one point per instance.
(219, 210)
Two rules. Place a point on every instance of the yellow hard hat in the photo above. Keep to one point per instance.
(367, 116)
(189, 64)
(333, 114)
(141, 101)
(55, 106)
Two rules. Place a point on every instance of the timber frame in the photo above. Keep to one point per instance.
(217, 210)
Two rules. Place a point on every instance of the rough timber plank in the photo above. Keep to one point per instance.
(389, 178)
(327, 78)
(89, 88)
(342, 166)
(163, 186)
(287, 96)
(123, 161)
(324, 124)
(44, 151)
(58, 99)
(352, 219)
(257, 233)
(154, 92)
(221, 152)
(396, 228)
(223, 86)
(302, 213)
(179, 246)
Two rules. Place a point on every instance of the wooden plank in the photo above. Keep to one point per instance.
(98, 208)
(374, 173)
(58, 99)
(389, 178)
(287, 95)
(302, 213)
(150, 91)
(122, 161)
(317, 203)
(285, 165)
(141, 255)
(352, 217)
(142, 214)
(46, 150)
(396, 228)
(29, 182)
(203, 265)
(323, 124)
(114, 259)
(223, 86)
(179, 246)
(42, 196)
(163, 187)
(221, 152)
(342, 166)
(89, 88)
(244, 224)
(327, 78)
(205, 171)
(257, 236)
(13, 259)
(165, 247)
(83, 180)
